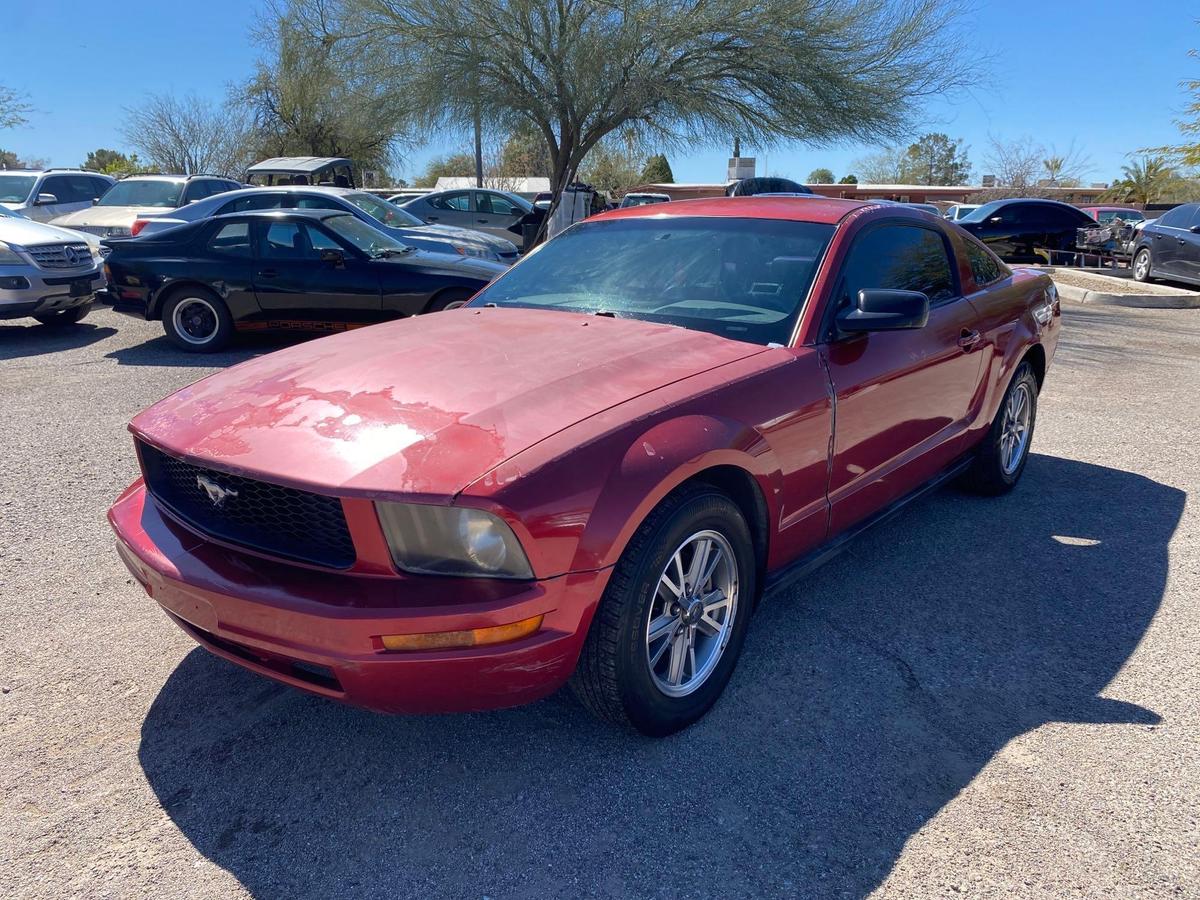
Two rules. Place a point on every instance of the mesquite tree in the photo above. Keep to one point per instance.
(676, 73)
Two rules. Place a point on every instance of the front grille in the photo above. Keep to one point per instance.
(61, 256)
(280, 521)
(104, 230)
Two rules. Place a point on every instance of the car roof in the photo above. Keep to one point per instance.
(297, 163)
(826, 210)
(1045, 201)
(319, 214)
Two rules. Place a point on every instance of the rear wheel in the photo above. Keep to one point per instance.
(448, 300)
(1141, 265)
(71, 316)
(1005, 450)
(670, 626)
(197, 320)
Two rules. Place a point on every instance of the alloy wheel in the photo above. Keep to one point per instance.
(1014, 433)
(195, 320)
(1141, 267)
(691, 614)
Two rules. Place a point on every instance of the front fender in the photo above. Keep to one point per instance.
(659, 460)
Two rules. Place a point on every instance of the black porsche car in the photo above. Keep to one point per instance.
(311, 270)
(1022, 231)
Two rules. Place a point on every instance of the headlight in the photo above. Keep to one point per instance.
(476, 251)
(9, 257)
(451, 540)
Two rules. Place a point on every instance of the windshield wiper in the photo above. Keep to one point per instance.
(392, 251)
(607, 313)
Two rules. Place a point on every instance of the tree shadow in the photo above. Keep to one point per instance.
(20, 340)
(868, 696)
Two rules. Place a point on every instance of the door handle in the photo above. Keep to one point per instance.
(1182, 242)
(968, 339)
(431, 218)
(481, 221)
(266, 273)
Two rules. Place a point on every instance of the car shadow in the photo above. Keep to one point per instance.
(868, 696)
(160, 351)
(25, 338)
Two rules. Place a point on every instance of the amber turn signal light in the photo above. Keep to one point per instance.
(474, 637)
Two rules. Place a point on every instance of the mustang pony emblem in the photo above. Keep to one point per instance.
(217, 494)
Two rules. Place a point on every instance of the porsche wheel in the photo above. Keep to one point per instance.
(670, 626)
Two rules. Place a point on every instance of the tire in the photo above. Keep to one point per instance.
(996, 470)
(1142, 263)
(449, 299)
(72, 316)
(197, 320)
(616, 678)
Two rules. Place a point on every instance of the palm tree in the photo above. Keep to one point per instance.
(1144, 181)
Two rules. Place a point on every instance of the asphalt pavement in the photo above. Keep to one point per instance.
(982, 697)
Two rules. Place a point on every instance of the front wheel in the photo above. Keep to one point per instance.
(1141, 265)
(1005, 449)
(197, 320)
(71, 316)
(670, 626)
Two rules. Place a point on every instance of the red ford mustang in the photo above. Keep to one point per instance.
(593, 471)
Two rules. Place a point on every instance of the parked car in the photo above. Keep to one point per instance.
(1169, 246)
(1026, 230)
(47, 273)
(406, 194)
(644, 442)
(330, 171)
(401, 225)
(643, 199)
(960, 211)
(140, 195)
(493, 212)
(45, 194)
(926, 207)
(748, 187)
(1106, 214)
(309, 270)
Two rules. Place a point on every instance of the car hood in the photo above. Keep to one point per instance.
(26, 232)
(466, 236)
(449, 263)
(108, 215)
(423, 406)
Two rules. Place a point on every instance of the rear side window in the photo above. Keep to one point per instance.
(1179, 217)
(899, 257)
(984, 268)
(231, 239)
(460, 201)
(251, 202)
(497, 205)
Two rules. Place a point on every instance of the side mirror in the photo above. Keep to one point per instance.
(885, 310)
(995, 219)
(1195, 229)
(335, 258)
(45, 200)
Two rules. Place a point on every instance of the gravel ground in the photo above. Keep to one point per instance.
(1115, 284)
(994, 698)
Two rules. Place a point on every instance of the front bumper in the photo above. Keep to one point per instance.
(28, 290)
(320, 631)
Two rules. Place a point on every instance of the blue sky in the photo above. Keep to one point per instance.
(1102, 73)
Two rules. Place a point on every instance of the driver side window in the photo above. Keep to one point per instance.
(898, 257)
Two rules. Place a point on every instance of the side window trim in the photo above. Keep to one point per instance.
(955, 280)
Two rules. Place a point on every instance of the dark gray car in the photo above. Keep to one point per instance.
(1169, 247)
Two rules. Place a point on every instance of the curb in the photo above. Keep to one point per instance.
(1139, 301)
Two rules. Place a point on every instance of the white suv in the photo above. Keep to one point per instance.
(47, 273)
(44, 194)
(139, 195)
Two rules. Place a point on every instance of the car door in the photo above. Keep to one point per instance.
(291, 277)
(495, 214)
(902, 398)
(68, 197)
(450, 208)
(1061, 226)
(1187, 248)
(1167, 241)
